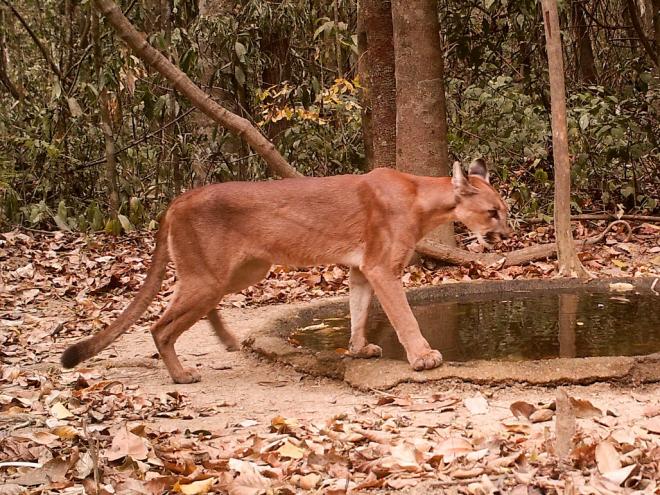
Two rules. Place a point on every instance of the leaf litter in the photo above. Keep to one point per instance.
(62, 431)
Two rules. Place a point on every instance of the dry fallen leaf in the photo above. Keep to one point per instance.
(60, 411)
(607, 458)
(652, 425)
(196, 487)
(541, 415)
(522, 409)
(584, 409)
(249, 481)
(621, 287)
(453, 448)
(126, 443)
(619, 476)
(291, 451)
(476, 405)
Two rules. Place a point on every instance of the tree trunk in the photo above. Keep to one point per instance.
(275, 45)
(569, 263)
(106, 126)
(656, 31)
(421, 120)
(13, 89)
(201, 100)
(380, 82)
(340, 65)
(583, 49)
(650, 50)
(365, 101)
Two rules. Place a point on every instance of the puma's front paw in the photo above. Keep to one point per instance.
(188, 375)
(429, 360)
(366, 352)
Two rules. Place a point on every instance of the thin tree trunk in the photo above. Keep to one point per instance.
(650, 50)
(106, 125)
(421, 121)
(364, 94)
(275, 46)
(380, 83)
(6, 81)
(656, 32)
(583, 49)
(340, 69)
(201, 100)
(569, 263)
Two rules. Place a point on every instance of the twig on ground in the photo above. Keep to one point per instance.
(466, 481)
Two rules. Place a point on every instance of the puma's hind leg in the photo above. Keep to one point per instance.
(190, 303)
(246, 274)
(227, 338)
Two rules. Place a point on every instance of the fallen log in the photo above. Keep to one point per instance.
(458, 256)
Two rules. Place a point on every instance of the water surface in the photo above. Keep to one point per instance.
(514, 326)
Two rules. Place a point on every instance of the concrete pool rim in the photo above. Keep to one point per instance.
(269, 341)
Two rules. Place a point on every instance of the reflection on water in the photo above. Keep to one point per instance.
(515, 326)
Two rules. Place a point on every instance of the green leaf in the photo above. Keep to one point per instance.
(326, 26)
(584, 121)
(240, 50)
(57, 91)
(112, 227)
(125, 223)
(61, 210)
(74, 108)
(61, 223)
(239, 74)
(628, 190)
(617, 132)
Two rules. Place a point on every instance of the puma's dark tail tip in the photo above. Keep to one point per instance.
(74, 355)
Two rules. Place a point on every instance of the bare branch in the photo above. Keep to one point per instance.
(648, 48)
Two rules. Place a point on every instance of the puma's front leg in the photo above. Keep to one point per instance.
(392, 297)
(360, 294)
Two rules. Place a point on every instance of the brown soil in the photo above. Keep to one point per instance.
(242, 386)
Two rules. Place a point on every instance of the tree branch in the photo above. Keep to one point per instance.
(236, 124)
(648, 48)
(37, 41)
(135, 142)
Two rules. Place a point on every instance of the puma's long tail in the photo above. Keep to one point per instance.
(87, 348)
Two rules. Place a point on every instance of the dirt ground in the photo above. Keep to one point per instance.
(241, 393)
(248, 387)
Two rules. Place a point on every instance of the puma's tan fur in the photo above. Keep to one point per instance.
(223, 238)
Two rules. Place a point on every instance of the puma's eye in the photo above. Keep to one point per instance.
(493, 213)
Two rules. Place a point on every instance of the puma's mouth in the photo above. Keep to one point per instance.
(494, 237)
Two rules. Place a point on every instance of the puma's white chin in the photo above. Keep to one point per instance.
(482, 240)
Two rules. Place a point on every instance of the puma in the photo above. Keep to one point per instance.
(223, 238)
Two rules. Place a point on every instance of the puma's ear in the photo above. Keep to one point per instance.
(462, 186)
(478, 167)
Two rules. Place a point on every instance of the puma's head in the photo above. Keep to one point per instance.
(478, 205)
